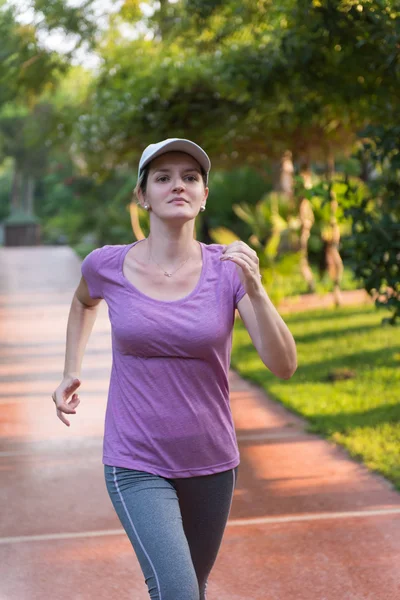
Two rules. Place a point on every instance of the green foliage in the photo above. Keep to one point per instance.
(25, 67)
(21, 218)
(295, 285)
(245, 79)
(73, 205)
(267, 225)
(222, 235)
(24, 134)
(77, 20)
(375, 239)
(5, 187)
(229, 187)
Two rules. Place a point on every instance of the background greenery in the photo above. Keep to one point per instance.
(247, 80)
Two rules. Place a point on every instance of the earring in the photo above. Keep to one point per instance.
(146, 206)
(202, 208)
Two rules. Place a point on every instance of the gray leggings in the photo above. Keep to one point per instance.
(175, 526)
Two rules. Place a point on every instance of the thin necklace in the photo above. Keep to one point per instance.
(166, 272)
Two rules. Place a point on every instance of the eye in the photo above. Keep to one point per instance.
(191, 178)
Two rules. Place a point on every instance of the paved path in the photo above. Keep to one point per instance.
(307, 523)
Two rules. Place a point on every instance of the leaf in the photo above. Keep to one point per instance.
(222, 235)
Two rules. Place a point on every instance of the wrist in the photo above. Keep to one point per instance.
(257, 291)
(71, 375)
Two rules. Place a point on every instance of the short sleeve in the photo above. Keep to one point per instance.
(90, 271)
(238, 287)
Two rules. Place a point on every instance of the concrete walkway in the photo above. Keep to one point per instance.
(307, 523)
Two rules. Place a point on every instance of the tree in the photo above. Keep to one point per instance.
(25, 67)
(29, 72)
(375, 242)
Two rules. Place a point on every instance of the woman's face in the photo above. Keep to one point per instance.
(175, 175)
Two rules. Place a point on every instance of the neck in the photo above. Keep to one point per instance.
(171, 248)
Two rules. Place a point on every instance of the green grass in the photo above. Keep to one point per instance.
(362, 413)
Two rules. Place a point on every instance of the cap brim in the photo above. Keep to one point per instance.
(181, 146)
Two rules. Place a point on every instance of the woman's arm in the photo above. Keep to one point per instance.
(269, 333)
(81, 318)
(82, 315)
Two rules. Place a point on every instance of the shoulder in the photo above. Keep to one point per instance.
(111, 250)
(227, 269)
(214, 247)
(214, 251)
(108, 252)
(104, 257)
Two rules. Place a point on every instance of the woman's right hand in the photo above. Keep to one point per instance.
(67, 387)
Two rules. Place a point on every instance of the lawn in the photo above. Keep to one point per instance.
(361, 413)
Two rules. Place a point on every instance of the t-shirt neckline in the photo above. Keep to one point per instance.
(130, 285)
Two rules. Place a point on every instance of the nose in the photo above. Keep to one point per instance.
(178, 186)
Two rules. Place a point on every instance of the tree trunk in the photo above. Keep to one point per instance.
(334, 261)
(15, 199)
(306, 215)
(286, 178)
(29, 194)
(30, 209)
(163, 21)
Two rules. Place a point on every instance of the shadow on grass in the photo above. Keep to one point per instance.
(317, 371)
(347, 422)
(334, 333)
(384, 357)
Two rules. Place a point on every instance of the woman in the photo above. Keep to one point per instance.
(170, 452)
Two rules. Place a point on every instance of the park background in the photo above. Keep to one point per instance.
(296, 102)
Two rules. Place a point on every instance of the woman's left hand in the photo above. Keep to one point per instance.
(247, 263)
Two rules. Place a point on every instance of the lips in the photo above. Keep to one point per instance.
(177, 199)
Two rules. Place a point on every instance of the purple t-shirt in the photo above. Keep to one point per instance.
(168, 410)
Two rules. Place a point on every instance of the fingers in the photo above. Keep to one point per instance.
(238, 255)
(60, 397)
(67, 408)
(239, 247)
(242, 250)
(73, 403)
(62, 418)
(248, 265)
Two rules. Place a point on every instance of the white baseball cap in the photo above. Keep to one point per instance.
(176, 145)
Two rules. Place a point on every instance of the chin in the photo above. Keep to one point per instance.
(179, 217)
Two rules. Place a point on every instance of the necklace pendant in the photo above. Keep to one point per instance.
(168, 274)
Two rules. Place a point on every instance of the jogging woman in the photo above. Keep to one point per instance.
(170, 452)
